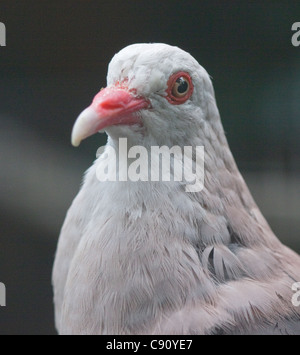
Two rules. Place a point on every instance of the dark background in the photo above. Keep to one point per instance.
(56, 60)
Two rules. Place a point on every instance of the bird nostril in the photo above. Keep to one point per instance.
(116, 99)
(112, 104)
(112, 98)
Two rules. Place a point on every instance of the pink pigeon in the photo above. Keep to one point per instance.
(150, 257)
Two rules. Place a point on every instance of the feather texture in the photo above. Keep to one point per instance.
(151, 258)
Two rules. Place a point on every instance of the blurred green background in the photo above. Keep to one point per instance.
(55, 61)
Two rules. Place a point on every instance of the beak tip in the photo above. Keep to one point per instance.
(84, 126)
(75, 140)
(75, 144)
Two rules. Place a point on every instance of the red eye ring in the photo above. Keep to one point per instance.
(173, 81)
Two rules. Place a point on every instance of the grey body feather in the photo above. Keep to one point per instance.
(150, 258)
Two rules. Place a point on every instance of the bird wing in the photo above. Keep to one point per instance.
(253, 293)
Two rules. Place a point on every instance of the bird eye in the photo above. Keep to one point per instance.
(180, 88)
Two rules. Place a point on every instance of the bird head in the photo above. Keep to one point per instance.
(155, 93)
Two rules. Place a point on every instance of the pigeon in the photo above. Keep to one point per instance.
(148, 256)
